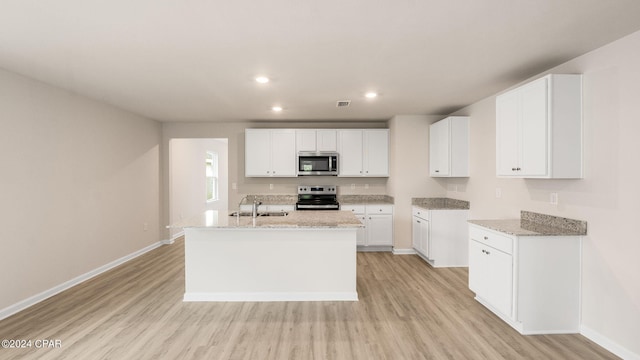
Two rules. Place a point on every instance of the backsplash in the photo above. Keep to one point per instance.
(577, 226)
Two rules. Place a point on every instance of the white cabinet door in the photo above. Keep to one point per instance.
(415, 234)
(361, 235)
(327, 140)
(379, 230)
(425, 238)
(500, 271)
(439, 134)
(305, 140)
(257, 152)
(283, 152)
(507, 134)
(491, 276)
(350, 148)
(534, 129)
(477, 268)
(270, 152)
(539, 129)
(376, 153)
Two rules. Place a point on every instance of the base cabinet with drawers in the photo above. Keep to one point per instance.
(377, 234)
(440, 236)
(530, 282)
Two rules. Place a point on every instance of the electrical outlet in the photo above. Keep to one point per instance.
(270, 186)
(553, 198)
(366, 186)
(234, 186)
(145, 226)
(498, 193)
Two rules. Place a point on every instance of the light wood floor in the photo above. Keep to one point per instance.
(407, 310)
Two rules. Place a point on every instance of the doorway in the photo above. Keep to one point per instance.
(198, 178)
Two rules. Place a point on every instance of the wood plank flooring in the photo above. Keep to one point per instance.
(407, 310)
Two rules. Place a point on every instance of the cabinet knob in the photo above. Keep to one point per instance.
(419, 223)
(513, 169)
(518, 169)
(486, 238)
(486, 252)
(437, 170)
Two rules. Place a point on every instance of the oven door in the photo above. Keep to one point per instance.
(317, 164)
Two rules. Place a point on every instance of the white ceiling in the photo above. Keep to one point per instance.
(195, 60)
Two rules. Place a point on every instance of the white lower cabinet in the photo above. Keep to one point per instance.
(530, 282)
(492, 275)
(440, 236)
(378, 221)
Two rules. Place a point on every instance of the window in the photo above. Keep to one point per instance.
(211, 173)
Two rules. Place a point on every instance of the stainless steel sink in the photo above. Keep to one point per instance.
(275, 213)
(248, 213)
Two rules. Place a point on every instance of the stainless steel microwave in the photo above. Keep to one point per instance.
(317, 163)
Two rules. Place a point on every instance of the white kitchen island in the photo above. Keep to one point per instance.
(304, 256)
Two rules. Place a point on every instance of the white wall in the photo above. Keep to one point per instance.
(79, 180)
(187, 177)
(410, 171)
(608, 198)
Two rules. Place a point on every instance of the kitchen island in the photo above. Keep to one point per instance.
(303, 256)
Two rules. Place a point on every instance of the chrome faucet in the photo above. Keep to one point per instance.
(240, 204)
(254, 209)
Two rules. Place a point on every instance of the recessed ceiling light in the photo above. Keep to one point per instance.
(370, 95)
(277, 108)
(262, 79)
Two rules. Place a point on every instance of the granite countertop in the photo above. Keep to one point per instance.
(535, 224)
(272, 199)
(440, 203)
(365, 199)
(342, 199)
(295, 219)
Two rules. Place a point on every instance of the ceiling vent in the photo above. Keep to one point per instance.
(343, 103)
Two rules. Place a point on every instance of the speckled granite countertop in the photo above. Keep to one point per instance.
(295, 219)
(440, 203)
(535, 224)
(273, 199)
(365, 199)
(343, 199)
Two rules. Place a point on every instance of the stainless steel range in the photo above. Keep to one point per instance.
(317, 197)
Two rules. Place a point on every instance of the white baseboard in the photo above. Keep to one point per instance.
(608, 344)
(271, 296)
(403, 251)
(173, 238)
(24, 304)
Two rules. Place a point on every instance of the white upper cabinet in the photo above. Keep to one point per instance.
(316, 140)
(363, 152)
(539, 129)
(270, 152)
(449, 147)
(327, 140)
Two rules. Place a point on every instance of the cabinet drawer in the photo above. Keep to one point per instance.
(491, 238)
(420, 212)
(379, 209)
(356, 209)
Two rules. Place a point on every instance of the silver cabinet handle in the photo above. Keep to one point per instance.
(486, 238)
